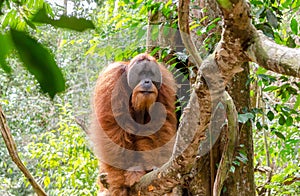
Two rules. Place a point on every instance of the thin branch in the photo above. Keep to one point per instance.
(229, 147)
(183, 23)
(268, 157)
(81, 123)
(13, 152)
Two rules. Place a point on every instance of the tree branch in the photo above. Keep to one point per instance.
(13, 152)
(252, 45)
(274, 57)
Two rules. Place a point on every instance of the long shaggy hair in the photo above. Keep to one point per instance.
(133, 130)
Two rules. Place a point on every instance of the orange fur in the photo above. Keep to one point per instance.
(110, 106)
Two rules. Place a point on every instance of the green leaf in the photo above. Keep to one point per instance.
(1, 4)
(236, 162)
(281, 120)
(270, 115)
(279, 134)
(270, 88)
(29, 23)
(267, 29)
(291, 90)
(242, 157)
(39, 62)
(290, 42)
(6, 47)
(10, 19)
(258, 126)
(242, 118)
(297, 103)
(232, 169)
(46, 181)
(77, 24)
(155, 50)
(260, 12)
(289, 121)
(287, 3)
(140, 34)
(272, 19)
(261, 70)
(294, 26)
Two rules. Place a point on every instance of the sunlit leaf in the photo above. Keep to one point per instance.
(261, 70)
(46, 181)
(10, 19)
(29, 23)
(287, 3)
(271, 88)
(39, 62)
(297, 103)
(91, 50)
(155, 50)
(289, 121)
(6, 47)
(294, 26)
(77, 24)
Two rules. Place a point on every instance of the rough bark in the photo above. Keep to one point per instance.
(274, 57)
(241, 182)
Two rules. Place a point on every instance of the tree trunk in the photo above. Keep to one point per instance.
(241, 182)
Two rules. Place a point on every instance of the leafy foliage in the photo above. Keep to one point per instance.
(276, 134)
(37, 59)
(63, 161)
(271, 18)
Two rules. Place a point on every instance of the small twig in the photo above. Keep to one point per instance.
(13, 152)
(269, 177)
(81, 123)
